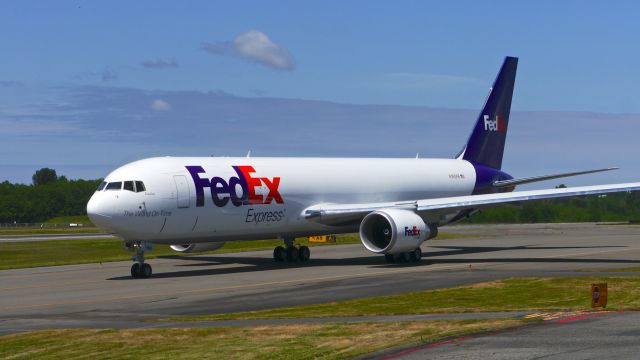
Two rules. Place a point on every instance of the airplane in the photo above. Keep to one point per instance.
(195, 204)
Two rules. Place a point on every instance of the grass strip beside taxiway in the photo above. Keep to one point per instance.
(15, 255)
(303, 341)
(525, 294)
(22, 231)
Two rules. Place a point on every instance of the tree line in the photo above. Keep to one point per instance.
(48, 196)
(51, 196)
(610, 207)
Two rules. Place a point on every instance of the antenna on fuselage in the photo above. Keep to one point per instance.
(417, 155)
(249, 154)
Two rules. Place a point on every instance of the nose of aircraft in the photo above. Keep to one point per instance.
(98, 212)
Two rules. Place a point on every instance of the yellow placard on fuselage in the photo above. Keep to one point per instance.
(322, 239)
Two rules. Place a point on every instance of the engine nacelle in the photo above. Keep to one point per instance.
(191, 248)
(393, 231)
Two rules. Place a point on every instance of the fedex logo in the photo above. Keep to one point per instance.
(223, 191)
(494, 125)
(411, 232)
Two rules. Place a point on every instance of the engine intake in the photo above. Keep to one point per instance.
(191, 248)
(393, 231)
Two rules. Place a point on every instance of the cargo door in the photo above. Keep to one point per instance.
(182, 191)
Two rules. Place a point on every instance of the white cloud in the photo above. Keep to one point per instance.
(255, 46)
(160, 105)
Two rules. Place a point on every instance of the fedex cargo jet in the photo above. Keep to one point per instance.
(197, 203)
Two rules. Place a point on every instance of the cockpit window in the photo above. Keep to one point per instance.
(128, 185)
(101, 186)
(140, 186)
(114, 185)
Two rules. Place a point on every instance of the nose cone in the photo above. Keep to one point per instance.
(98, 212)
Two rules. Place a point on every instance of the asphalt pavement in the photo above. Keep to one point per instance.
(598, 336)
(104, 295)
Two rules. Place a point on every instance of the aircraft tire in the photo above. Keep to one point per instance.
(416, 255)
(304, 253)
(292, 254)
(146, 271)
(135, 270)
(389, 258)
(279, 254)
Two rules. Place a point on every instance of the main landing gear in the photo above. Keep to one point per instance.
(140, 270)
(290, 252)
(414, 256)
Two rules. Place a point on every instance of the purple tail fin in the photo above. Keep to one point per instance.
(486, 143)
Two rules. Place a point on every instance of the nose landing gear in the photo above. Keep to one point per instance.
(140, 270)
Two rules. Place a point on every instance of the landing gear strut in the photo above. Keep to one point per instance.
(414, 255)
(140, 269)
(290, 252)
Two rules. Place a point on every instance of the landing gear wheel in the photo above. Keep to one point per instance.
(135, 270)
(279, 254)
(139, 269)
(389, 258)
(304, 253)
(416, 255)
(292, 254)
(146, 271)
(406, 257)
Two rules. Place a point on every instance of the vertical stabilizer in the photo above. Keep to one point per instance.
(486, 143)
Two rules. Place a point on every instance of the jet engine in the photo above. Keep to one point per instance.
(393, 231)
(192, 248)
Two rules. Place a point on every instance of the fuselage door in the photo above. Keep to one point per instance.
(182, 190)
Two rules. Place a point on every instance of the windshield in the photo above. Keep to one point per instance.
(128, 185)
(140, 186)
(101, 186)
(114, 185)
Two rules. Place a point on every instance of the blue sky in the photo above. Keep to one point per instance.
(75, 74)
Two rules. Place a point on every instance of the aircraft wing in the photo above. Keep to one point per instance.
(514, 182)
(342, 214)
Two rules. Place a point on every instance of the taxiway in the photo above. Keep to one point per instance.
(104, 295)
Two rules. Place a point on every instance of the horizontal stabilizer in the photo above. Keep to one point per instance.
(514, 182)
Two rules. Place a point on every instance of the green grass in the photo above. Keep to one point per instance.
(49, 230)
(306, 341)
(235, 246)
(14, 255)
(449, 236)
(629, 269)
(505, 295)
(77, 219)
(62, 227)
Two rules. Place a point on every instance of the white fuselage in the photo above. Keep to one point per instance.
(169, 211)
